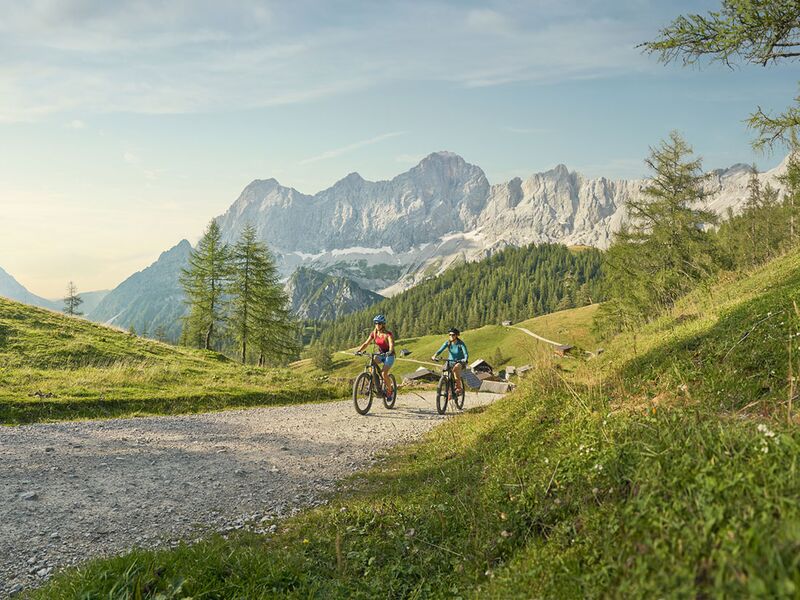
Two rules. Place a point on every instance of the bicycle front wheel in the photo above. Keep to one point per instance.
(362, 393)
(390, 403)
(459, 398)
(442, 393)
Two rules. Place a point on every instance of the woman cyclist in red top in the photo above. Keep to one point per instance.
(384, 339)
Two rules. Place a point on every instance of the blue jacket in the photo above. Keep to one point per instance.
(458, 350)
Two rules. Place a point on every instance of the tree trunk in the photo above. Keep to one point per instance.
(208, 337)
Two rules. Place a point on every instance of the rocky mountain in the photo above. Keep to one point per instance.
(14, 290)
(11, 288)
(149, 299)
(90, 300)
(325, 297)
(389, 235)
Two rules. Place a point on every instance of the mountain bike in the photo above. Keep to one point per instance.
(447, 388)
(369, 383)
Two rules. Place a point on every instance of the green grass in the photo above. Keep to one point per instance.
(663, 468)
(517, 348)
(54, 367)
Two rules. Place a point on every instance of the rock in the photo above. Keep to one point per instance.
(29, 496)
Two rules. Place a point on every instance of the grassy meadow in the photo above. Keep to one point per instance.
(516, 347)
(55, 367)
(665, 467)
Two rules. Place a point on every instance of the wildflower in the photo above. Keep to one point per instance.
(765, 431)
(305, 541)
(598, 467)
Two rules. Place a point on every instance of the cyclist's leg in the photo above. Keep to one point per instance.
(457, 372)
(388, 363)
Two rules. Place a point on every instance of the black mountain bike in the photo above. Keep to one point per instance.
(447, 388)
(369, 383)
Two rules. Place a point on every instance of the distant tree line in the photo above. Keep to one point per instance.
(236, 301)
(513, 284)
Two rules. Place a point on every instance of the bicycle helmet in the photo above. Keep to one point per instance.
(379, 319)
(454, 331)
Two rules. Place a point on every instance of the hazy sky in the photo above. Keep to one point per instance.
(126, 126)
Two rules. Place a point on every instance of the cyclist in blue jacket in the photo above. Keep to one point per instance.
(457, 354)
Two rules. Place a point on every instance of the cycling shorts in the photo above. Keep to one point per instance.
(388, 361)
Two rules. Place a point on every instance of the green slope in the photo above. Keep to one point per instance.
(572, 326)
(57, 367)
(667, 467)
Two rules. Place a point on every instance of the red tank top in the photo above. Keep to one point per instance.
(381, 339)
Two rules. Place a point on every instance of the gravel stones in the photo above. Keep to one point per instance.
(79, 490)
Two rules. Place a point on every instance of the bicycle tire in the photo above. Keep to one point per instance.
(386, 403)
(442, 395)
(459, 398)
(362, 393)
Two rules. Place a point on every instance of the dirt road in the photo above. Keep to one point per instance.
(77, 490)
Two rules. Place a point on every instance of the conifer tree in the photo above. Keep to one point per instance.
(792, 197)
(259, 305)
(204, 284)
(247, 258)
(760, 32)
(663, 249)
(72, 300)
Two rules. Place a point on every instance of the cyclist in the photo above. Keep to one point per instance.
(458, 354)
(384, 339)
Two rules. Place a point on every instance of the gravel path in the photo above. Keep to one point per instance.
(78, 490)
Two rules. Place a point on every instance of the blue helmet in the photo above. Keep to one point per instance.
(379, 319)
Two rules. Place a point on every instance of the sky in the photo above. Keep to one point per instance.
(127, 126)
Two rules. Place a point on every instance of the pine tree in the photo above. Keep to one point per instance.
(322, 357)
(663, 249)
(72, 300)
(247, 260)
(274, 330)
(161, 333)
(792, 197)
(760, 32)
(204, 284)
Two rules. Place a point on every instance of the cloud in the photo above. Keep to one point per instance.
(92, 56)
(349, 148)
(75, 124)
(131, 158)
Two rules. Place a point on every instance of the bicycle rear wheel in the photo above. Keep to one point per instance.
(442, 393)
(388, 403)
(362, 393)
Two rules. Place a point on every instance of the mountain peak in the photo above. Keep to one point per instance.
(442, 156)
(352, 179)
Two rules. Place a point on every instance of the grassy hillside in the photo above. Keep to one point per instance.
(514, 283)
(667, 467)
(56, 367)
(571, 326)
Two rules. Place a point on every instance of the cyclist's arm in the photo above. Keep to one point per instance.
(440, 350)
(466, 353)
(365, 344)
(391, 343)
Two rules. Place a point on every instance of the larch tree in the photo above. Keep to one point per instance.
(72, 300)
(205, 284)
(663, 249)
(760, 32)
